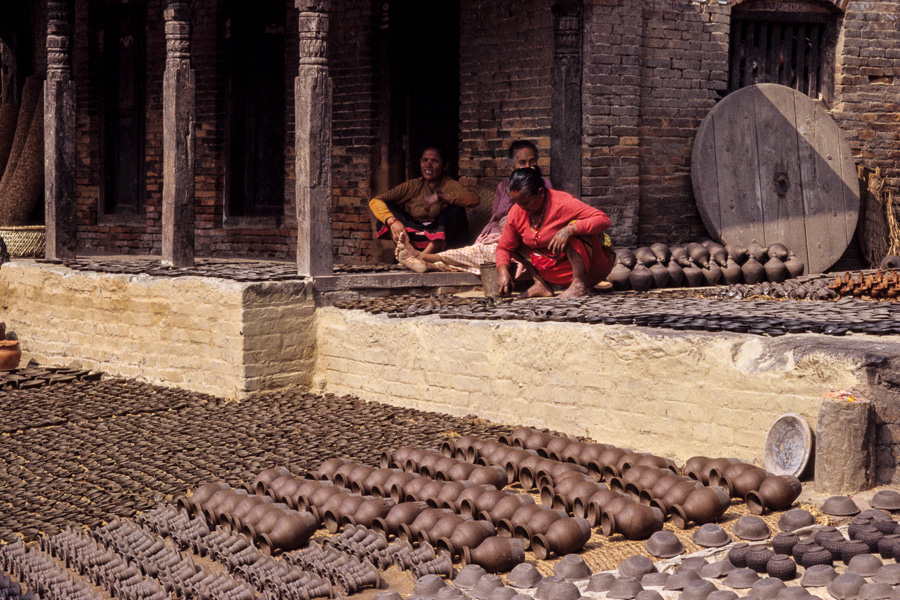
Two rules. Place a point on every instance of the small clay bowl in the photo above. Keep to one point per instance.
(543, 588)
(654, 579)
(722, 595)
(694, 563)
(664, 544)
(636, 566)
(875, 591)
(601, 582)
(524, 576)
(486, 586)
(840, 506)
(563, 590)
(625, 588)
(795, 519)
(572, 568)
(794, 593)
(468, 576)
(710, 535)
(450, 593)
(649, 595)
(751, 528)
(428, 585)
(846, 586)
(864, 564)
(886, 500)
(875, 513)
(741, 579)
(679, 581)
(889, 574)
(818, 576)
(699, 589)
(717, 570)
(766, 588)
(388, 595)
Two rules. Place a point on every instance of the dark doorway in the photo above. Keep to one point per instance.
(424, 50)
(122, 44)
(255, 108)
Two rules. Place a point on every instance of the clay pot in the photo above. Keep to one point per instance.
(395, 485)
(482, 502)
(443, 527)
(676, 494)
(494, 475)
(701, 506)
(747, 481)
(203, 493)
(712, 274)
(717, 252)
(506, 507)
(693, 276)
(244, 507)
(300, 499)
(698, 254)
(620, 277)
(468, 495)
(253, 517)
(10, 354)
(466, 535)
(778, 251)
(634, 521)
(660, 276)
(290, 532)
(424, 521)
(410, 490)
(676, 274)
(538, 523)
(283, 488)
(449, 492)
(595, 505)
(776, 272)
(737, 253)
(564, 536)
(335, 513)
(226, 506)
(731, 272)
(680, 255)
(536, 439)
(694, 465)
(521, 516)
(776, 492)
(662, 252)
(795, 267)
(626, 257)
(368, 511)
(757, 251)
(460, 471)
(719, 465)
(625, 462)
(556, 446)
(583, 490)
(641, 279)
(645, 256)
(610, 456)
(753, 272)
(495, 554)
(261, 482)
(662, 485)
(612, 506)
(403, 513)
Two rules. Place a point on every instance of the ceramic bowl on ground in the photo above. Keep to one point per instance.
(875, 591)
(818, 576)
(875, 513)
(649, 595)
(864, 564)
(794, 593)
(679, 581)
(722, 595)
(710, 535)
(601, 582)
(468, 576)
(625, 588)
(664, 544)
(889, 574)
(741, 579)
(699, 589)
(450, 593)
(886, 500)
(795, 519)
(636, 566)
(766, 588)
(428, 585)
(543, 588)
(654, 579)
(572, 568)
(840, 506)
(717, 570)
(846, 586)
(694, 563)
(524, 576)
(486, 586)
(388, 595)
(563, 590)
(751, 528)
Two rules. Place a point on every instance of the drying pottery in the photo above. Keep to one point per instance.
(703, 505)
(634, 521)
(840, 506)
(677, 494)
(738, 253)
(775, 270)
(889, 574)
(486, 587)
(654, 579)
(782, 567)
(777, 492)
(496, 554)
(694, 465)
(693, 563)
(291, 531)
(680, 255)
(731, 272)
(664, 544)
(864, 564)
(676, 274)
(466, 535)
(751, 528)
(795, 267)
(636, 566)
(444, 527)
(784, 542)
(853, 548)
(465, 502)
(710, 535)
(520, 517)
(424, 520)
(620, 277)
(752, 271)
(563, 536)
(660, 276)
(795, 519)
(722, 595)
(468, 576)
(648, 595)
(757, 251)
(506, 507)
(846, 586)
(572, 568)
(814, 555)
(887, 545)
(875, 591)
(698, 254)
(717, 570)
(818, 576)
(481, 503)
(717, 252)
(737, 556)
(693, 276)
(403, 513)
(524, 576)
(748, 480)
(662, 252)
(712, 274)
(679, 581)
(645, 256)
(886, 500)
(741, 579)
(699, 589)
(601, 582)
(778, 251)
(625, 588)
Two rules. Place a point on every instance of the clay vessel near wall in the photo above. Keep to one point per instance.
(753, 272)
(776, 272)
(757, 251)
(640, 279)
(776, 492)
(564, 536)
(466, 535)
(680, 255)
(634, 521)
(409, 490)
(496, 554)
(662, 252)
(626, 257)
(645, 256)
(513, 460)
(582, 491)
(694, 465)
(556, 446)
(609, 456)
(778, 251)
(699, 254)
(593, 508)
(660, 276)
(746, 482)
(299, 500)
(675, 495)
(661, 486)
(620, 277)
(613, 506)
(718, 465)
(693, 276)
(717, 252)
(737, 253)
(731, 272)
(676, 274)
(537, 439)
(795, 267)
(516, 436)
(703, 505)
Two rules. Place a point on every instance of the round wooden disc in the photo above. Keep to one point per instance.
(770, 164)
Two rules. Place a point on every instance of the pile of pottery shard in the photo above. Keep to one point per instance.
(877, 286)
(35, 377)
(702, 264)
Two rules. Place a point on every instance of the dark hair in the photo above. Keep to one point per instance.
(519, 145)
(437, 149)
(527, 181)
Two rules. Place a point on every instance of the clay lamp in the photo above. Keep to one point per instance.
(818, 576)
(710, 535)
(664, 544)
(795, 519)
(840, 506)
(751, 528)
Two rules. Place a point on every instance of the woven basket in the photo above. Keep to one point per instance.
(24, 242)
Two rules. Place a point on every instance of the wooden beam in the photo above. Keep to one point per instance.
(565, 100)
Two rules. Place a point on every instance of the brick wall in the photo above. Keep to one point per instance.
(506, 52)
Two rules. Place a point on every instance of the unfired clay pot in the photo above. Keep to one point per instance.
(634, 521)
(496, 554)
(564, 536)
(703, 505)
(777, 492)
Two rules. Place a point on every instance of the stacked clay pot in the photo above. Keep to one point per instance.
(702, 264)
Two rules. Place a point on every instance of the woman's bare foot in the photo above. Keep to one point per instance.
(538, 290)
(576, 289)
(408, 257)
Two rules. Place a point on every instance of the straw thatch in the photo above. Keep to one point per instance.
(20, 193)
(32, 91)
(9, 114)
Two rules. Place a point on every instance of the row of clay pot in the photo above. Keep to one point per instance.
(445, 468)
(274, 526)
(44, 577)
(761, 490)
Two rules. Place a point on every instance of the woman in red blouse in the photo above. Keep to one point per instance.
(559, 239)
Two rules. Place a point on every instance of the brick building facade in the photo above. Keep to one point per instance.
(650, 70)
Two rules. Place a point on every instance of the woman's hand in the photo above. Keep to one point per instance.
(559, 241)
(436, 197)
(398, 232)
(491, 237)
(504, 280)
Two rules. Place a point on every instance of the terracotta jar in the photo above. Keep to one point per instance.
(753, 272)
(282, 488)
(265, 523)
(450, 492)
(635, 521)
(495, 554)
(694, 465)
(717, 464)
(731, 272)
(368, 511)
(716, 476)
(336, 509)
(527, 469)
(493, 475)
(443, 466)
(466, 535)
(244, 507)
(299, 500)
(290, 532)
(610, 456)
(776, 492)
(675, 495)
(640, 279)
(261, 482)
(403, 513)
(204, 492)
(516, 437)
(513, 459)
(318, 499)
(356, 475)
(538, 523)
(595, 505)
(662, 486)
(648, 479)
(612, 507)
(425, 520)
(329, 467)
(444, 527)
(393, 485)
(703, 505)
(747, 481)
(506, 507)
(522, 515)
(410, 490)
(582, 491)
(536, 439)
(468, 496)
(430, 492)
(460, 471)
(564, 536)
(557, 445)
(571, 452)
(226, 506)
(545, 478)
(340, 477)
(253, 517)
(561, 487)
(588, 453)
(483, 502)
(378, 477)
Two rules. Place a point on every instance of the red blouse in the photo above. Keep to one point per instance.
(560, 210)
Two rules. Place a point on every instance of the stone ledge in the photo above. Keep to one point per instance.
(357, 281)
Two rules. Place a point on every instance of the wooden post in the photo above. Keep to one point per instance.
(312, 107)
(565, 99)
(59, 134)
(178, 139)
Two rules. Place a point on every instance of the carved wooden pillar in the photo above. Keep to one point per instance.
(312, 97)
(178, 139)
(59, 133)
(565, 102)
